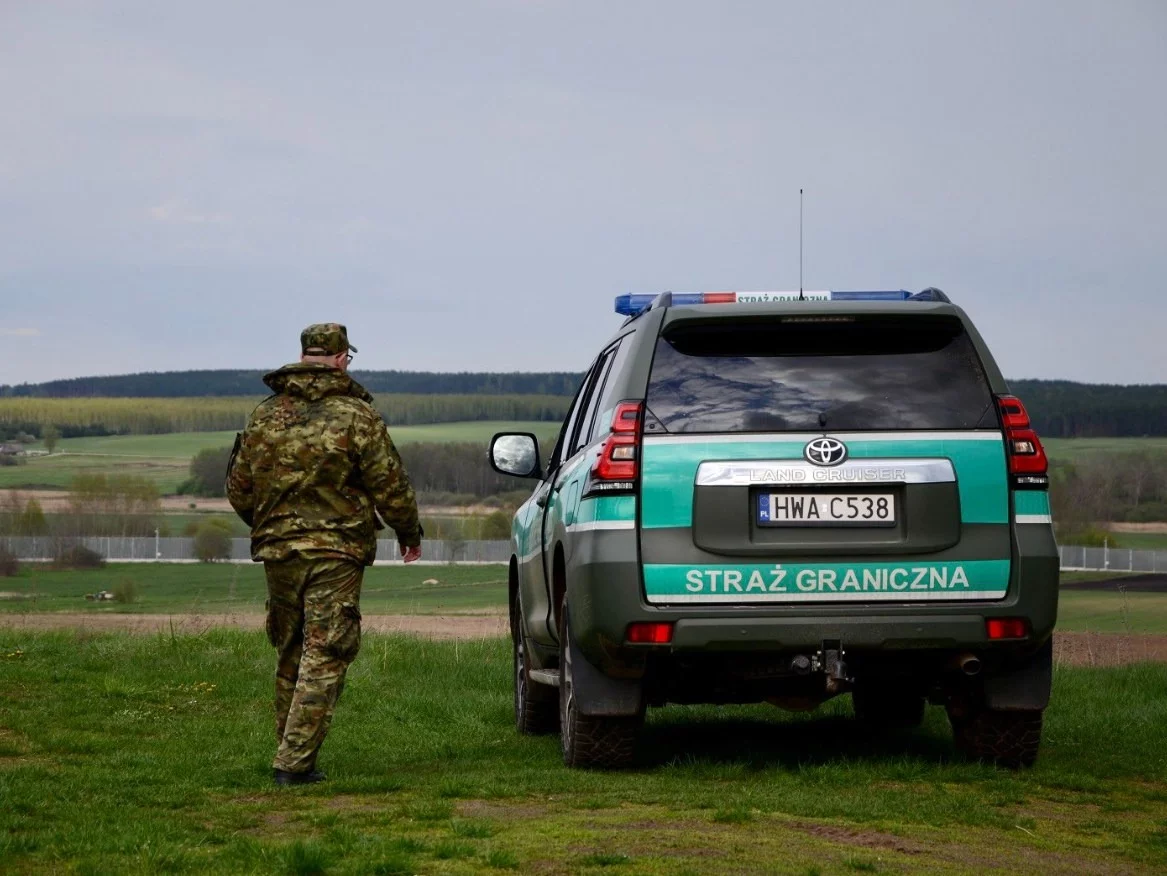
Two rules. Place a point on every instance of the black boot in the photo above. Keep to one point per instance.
(284, 778)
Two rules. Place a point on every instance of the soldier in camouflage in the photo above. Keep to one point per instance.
(309, 475)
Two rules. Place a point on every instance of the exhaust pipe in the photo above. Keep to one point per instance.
(969, 664)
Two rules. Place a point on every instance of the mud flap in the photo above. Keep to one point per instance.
(1025, 687)
(599, 695)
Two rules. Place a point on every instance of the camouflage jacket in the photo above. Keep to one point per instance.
(312, 465)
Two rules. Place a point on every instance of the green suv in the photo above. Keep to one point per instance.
(785, 497)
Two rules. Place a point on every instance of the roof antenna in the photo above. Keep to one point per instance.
(801, 297)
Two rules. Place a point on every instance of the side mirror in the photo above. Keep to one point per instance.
(516, 453)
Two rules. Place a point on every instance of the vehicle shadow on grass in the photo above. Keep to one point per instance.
(763, 742)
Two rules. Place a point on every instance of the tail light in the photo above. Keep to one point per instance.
(1027, 460)
(1006, 628)
(649, 633)
(619, 460)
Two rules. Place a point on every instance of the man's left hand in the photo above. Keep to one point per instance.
(410, 554)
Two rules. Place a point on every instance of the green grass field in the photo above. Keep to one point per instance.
(212, 588)
(1141, 541)
(149, 754)
(1074, 449)
(218, 588)
(165, 459)
(1105, 612)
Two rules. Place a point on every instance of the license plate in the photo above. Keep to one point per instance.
(826, 509)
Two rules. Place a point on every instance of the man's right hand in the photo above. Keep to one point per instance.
(410, 554)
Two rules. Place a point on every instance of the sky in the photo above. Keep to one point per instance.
(468, 185)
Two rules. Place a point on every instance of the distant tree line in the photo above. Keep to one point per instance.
(1062, 409)
(83, 417)
(189, 384)
(183, 401)
(1107, 488)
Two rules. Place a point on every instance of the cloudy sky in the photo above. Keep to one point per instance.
(468, 184)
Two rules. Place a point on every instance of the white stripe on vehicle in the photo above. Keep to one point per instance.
(786, 598)
(803, 437)
(601, 524)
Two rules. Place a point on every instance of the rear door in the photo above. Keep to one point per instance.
(535, 565)
(849, 458)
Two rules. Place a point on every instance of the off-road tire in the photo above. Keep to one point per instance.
(882, 707)
(536, 705)
(1006, 738)
(591, 741)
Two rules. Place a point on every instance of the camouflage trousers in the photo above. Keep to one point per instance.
(314, 622)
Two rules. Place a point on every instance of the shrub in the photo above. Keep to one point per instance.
(456, 545)
(212, 541)
(51, 436)
(125, 592)
(33, 521)
(208, 472)
(496, 525)
(78, 557)
(8, 563)
(1089, 537)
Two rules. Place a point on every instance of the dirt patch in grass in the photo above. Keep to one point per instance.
(276, 819)
(657, 825)
(1108, 649)
(1060, 812)
(356, 803)
(867, 839)
(437, 626)
(502, 811)
(272, 824)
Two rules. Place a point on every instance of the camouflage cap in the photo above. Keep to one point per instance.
(325, 339)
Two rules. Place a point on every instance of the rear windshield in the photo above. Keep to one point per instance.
(861, 374)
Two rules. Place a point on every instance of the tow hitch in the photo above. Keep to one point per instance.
(829, 660)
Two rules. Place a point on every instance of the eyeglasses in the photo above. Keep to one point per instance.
(348, 358)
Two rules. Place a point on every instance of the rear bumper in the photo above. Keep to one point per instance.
(606, 594)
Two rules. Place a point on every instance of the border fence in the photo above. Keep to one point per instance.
(181, 550)
(1104, 559)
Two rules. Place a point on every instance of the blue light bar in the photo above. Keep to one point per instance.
(632, 304)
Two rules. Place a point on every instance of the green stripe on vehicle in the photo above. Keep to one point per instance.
(1029, 502)
(605, 508)
(827, 582)
(669, 471)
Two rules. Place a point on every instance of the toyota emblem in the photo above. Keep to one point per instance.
(825, 451)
